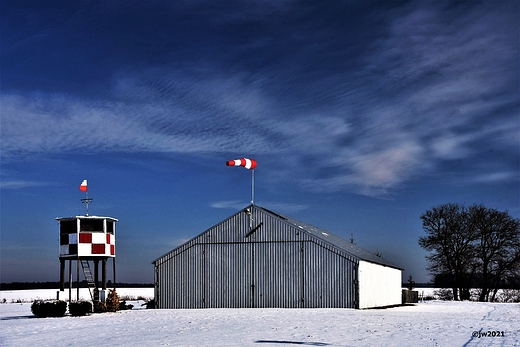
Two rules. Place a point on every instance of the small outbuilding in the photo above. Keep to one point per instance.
(259, 258)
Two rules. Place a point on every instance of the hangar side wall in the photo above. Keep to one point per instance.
(259, 259)
(378, 285)
(256, 274)
(255, 262)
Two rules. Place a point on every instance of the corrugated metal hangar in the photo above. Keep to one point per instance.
(259, 258)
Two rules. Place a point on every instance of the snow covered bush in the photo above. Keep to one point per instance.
(509, 295)
(80, 308)
(51, 308)
(443, 294)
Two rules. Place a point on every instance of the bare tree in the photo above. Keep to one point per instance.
(450, 242)
(465, 242)
(497, 247)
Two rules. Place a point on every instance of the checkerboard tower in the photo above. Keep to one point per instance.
(88, 240)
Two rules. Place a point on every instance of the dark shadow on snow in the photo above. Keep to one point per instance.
(294, 342)
(18, 317)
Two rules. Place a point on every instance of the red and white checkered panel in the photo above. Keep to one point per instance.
(88, 245)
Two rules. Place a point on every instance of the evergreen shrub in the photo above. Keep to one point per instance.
(51, 308)
(80, 308)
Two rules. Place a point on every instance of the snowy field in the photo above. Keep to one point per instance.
(432, 323)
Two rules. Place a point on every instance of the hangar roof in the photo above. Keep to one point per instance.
(335, 240)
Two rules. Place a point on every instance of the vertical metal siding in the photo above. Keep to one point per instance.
(277, 265)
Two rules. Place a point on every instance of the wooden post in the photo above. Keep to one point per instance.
(77, 279)
(114, 264)
(104, 274)
(70, 280)
(62, 275)
(96, 273)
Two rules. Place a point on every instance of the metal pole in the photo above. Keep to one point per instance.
(253, 186)
(86, 201)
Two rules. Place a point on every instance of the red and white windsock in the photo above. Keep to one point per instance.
(83, 187)
(244, 162)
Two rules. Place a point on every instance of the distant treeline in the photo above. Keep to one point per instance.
(475, 281)
(417, 285)
(56, 285)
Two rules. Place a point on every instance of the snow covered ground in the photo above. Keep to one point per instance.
(432, 323)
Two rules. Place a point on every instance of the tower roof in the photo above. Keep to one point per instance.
(86, 217)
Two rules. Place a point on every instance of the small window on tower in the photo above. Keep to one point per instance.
(95, 225)
(68, 227)
(110, 227)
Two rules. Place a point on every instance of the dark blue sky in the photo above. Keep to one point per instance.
(361, 115)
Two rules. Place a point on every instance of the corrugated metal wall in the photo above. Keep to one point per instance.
(255, 260)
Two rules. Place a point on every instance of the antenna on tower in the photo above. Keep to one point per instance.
(86, 201)
(84, 188)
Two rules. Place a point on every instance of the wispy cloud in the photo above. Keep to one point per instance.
(277, 206)
(430, 84)
(20, 184)
(229, 204)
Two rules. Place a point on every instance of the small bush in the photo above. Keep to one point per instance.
(52, 308)
(112, 302)
(149, 303)
(100, 307)
(124, 306)
(80, 308)
(443, 294)
(509, 295)
(127, 298)
(110, 305)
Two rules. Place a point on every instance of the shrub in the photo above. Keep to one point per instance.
(110, 305)
(124, 306)
(80, 308)
(112, 302)
(52, 308)
(444, 294)
(509, 295)
(100, 307)
(150, 303)
(127, 298)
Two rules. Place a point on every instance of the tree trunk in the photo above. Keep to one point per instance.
(455, 293)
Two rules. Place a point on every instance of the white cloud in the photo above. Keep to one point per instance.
(452, 146)
(20, 184)
(275, 206)
(494, 177)
(373, 173)
(229, 204)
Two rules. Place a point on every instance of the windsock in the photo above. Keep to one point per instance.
(83, 187)
(247, 163)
